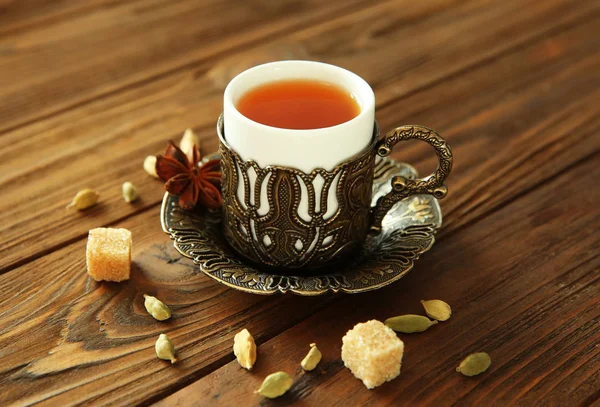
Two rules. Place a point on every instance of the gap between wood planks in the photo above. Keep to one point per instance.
(353, 8)
(478, 64)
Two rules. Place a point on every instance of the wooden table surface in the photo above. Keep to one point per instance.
(89, 88)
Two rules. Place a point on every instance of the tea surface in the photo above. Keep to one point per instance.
(299, 104)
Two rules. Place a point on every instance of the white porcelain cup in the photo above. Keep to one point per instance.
(304, 150)
(303, 198)
(301, 149)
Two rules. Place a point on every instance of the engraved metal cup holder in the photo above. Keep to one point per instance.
(265, 224)
(407, 231)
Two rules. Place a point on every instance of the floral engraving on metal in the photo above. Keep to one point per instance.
(271, 228)
(402, 187)
(407, 231)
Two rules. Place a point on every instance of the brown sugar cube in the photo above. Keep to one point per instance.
(373, 353)
(108, 254)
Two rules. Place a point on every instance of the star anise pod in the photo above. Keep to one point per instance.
(194, 184)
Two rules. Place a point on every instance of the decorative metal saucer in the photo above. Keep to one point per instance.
(408, 230)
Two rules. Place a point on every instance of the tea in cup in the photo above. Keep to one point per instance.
(298, 143)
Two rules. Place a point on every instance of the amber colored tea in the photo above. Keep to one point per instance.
(299, 104)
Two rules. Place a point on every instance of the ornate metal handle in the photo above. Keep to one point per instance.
(402, 187)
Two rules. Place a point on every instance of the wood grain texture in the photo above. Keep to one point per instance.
(102, 143)
(565, 138)
(70, 61)
(97, 146)
(533, 306)
(17, 16)
(514, 88)
(66, 339)
(69, 361)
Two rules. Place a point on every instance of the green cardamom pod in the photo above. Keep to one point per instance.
(313, 358)
(150, 166)
(86, 198)
(244, 349)
(409, 323)
(275, 385)
(130, 193)
(437, 309)
(156, 308)
(164, 348)
(474, 364)
(188, 141)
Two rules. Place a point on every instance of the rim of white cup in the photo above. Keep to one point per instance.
(366, 99)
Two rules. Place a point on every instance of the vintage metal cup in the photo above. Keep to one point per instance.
(301, 199)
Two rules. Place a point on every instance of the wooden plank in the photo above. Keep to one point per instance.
(65, 339)
(68, 62)
(533, 306)
(19, 15)
(102, 144)
(92, 342)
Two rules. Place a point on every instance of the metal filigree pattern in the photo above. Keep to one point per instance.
(264, 219)
(407, 232)
(402, 187)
